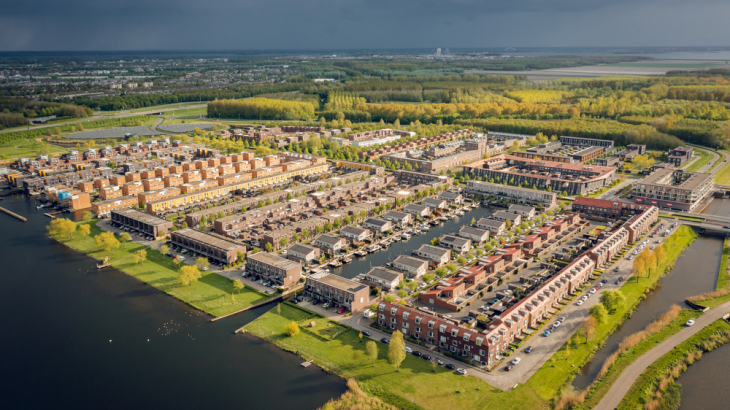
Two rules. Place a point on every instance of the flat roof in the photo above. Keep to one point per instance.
(692, 182)
(273, 260)
(212, 240)
(143, 217)
(338, 282)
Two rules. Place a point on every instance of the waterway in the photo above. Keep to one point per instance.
(382, 257)
(694, 273)
(78, 338)
(719, 207)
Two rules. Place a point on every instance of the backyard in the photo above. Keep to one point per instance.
(211, 293)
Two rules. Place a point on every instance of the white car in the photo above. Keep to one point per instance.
(580, 302)
(461, 371)
(584, 298)
(507, 292)
(182, 258)
(556, 324)
(690, 322)
(593, 290)
(408, 349)
(516, 360)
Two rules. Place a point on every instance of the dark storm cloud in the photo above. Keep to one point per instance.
(322, 24)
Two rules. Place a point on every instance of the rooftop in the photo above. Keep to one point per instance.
(338, 282)
(209, 239)
(142, 217)
(273, 260)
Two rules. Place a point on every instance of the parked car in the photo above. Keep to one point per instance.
(620, 278)
(426, 357)
(690, 322)
(326, 305)
(182, 258)
(461, 371)
(547, 333)
(580, 302)
(450, 366)
(508, 368)
(385, 340)
(341, 311)
(593, 290)
(439, 362)
(365, 333)
(556, 325)
(416, 353)
(294, 301)
(408, 349)
(562, 319)
(516, 360)
(528, 349)
(616, 269)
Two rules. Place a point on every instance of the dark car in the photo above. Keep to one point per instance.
(528, 349)
(385, 340)
(365, 333)
(426, 357)
(450, 366)
(294, 301)
(508, 368)
(316, 302)
(416, 353)
(604, 281)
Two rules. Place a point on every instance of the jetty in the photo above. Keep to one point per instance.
(22, 218)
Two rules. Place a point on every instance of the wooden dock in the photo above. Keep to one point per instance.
(22, 218)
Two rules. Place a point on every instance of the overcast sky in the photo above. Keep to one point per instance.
(351, 24)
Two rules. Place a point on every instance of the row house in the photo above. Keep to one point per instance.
(383, 278)
(355, 233)
(173, 180)
(417, 210)
(479, 347)
(609, 247)
(414, 267)
(434, 203)
(103, 208)
(330, 243)
(640, 224)
(526, 212)
(110, 192)
(158, 195)
(505, 216)
(282, 272)
(198, 186)
(192, 176)
(438, 256)
(476, 235)
(400, 218)
(494, 226)
(152, 184)
(455, 243)
(132, 188)
(337, 291)
(377, 225)
(303, 253)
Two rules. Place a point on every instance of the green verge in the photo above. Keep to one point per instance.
(626, 359)
(642, 391)
(26, 148)
(211, 294)
(417, 386)
(722, 177)
(702, 161)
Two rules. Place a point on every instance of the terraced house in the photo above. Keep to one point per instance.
(483, 348)
(280, 271)
(609, 247)
(212, 246)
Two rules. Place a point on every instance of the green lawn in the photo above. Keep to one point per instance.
(702, 161)
(211, 294)
(722, 177)
(430, 390)
(642, 391)
(25, 148)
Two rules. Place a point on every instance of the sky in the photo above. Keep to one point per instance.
(86, 25)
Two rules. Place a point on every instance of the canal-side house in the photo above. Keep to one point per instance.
(476, 235)
(414, 267)
(377, 225)
(337, 291)
(282, 272)
(439, 256)
(329, 243)
(453, 198)
(384, 278)
(399, 218)
(505, 216)
(434, 203)
(455, 243)
(303, 253)
(355, 233)
(494, 226)
(417, 210)
(527, 212)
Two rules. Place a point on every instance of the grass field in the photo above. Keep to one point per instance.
(25, 148)
(702, 161)
(722, 177)
(642, 391)
(211, 294)
(417, 386)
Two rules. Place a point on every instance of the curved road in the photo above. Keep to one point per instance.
(624, 382)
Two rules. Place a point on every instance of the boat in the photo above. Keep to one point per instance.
(347, 260)
(459, 213)
(405, 236)
(451, 216)
(335, 264)
(361, 253)
(443, 218)
(424, 228)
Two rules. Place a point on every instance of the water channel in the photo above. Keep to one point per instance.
(75, 337)
(452, 226)
(694, 273)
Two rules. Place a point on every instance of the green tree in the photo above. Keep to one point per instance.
(202, 263)
(371, 349)
(106, 241)
(62, 227)
(612, 300)
(164, 249)
(396, 349)
(269, 247)
(599, 312)
(412, 285)
(125, 237)
(188, 274)
(292, 329)
(139, 256)
(84, 229)
(402, 293)
(86, 216)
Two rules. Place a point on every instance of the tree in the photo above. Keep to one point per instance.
(428, 277)
(441, 271)
(434, 241)
(371, 349)
(84, 229)
(412, 285)
(612, 300)
(660, 255)
(106, 241)
(639, 267)
(139, 256)
(452, 268)
(269, 247)
(402, 293)
(473, 221)
(202, 263)
(396, 349)
(305, 233)
(589, 326)
(125, 237)
(238, 286)
(86, 216)
(389, 298)
(164, 249)
(188, 274)
(598, 312)
(62, 227)
(292, 329)
(461, 260)
(283, 242)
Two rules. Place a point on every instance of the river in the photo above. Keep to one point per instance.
(75, 337)
(694, 273)
(452, 226)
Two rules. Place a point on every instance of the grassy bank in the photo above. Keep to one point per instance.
(418, 386)
(702, 161)
(662, 373)
(211, 294)
(722, 176)
(603, 384)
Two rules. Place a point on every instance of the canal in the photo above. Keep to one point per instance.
(75, 337)
(452, 226)
(694, 273)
